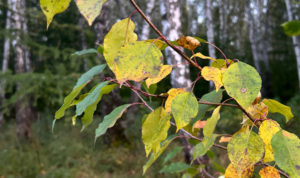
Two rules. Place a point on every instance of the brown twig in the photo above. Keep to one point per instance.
(163, 37)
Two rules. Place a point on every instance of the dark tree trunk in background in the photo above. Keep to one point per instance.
(81, 25)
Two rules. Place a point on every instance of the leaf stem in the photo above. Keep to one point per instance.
(163, 37)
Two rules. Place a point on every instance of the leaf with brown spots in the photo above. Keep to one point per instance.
(269, 172)
(232, 173)
(188, 42)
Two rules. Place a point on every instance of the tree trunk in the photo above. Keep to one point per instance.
(146, 27)
(83, 40)
(6, 52)
(180, 76)
(23, 110)
(296, 41)
(210, 33)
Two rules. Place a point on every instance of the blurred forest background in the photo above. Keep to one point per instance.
(38, 70)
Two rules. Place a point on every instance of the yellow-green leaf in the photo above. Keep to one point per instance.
(154, 156)
(164, 71)
(214, 74)
(242, 82)
(175, 167)
(172, 93)
(86, 77)
(244, 150)
(269, 172)
(232, 173)
(200, 55)
(276, 107)
(90, 9)
(286, 148)
(220, 63)
(110, 120)
(120, 34)
(155, 129)
(201, 148)
(266, 131)
(52, 7)
(184, 108)
(211, 123)
(137, 61)
(159, 43)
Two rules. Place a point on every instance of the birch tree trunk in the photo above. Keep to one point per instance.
(180, 76)
(6, 52)
(146, 27)
(23, 109)
(296, 41)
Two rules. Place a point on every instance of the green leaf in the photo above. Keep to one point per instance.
(244, 150)
(292, 28)
(276, 107)
(90, 9)
(153, 157)
(87, 118)
(84, 52)
(201, 148)
(175, 167)
(286, 148)
(137, 61)
(211, 123)
(155, 129)
(242, 82)
(120, 34)
(213, 97)
(173, 153)
(90, 99)
(200, 40)
(110, 120)
(86, 77)
(53, 7)
(100, 49)
(68, 101)
(184, 107)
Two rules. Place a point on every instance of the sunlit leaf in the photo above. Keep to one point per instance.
(292, 28)
(90, 99)
(172, 93)
(268, 172)
(232, 173)
(137, 61)
(154, 156)
(110, 120)
(200, 55)
(120, 34)
(244, 150)
(68, 101)
(155, 129)
(286, 148)
(184, 108)
(211, 123)
(53, 7)
(175, 167)
(242, 82)
(90, 9)
(86, 77)
(266, 131)
(164, 71)
(85, 51)
(201, 148)
(214, 74)
(276, 107)
(188, 42)
(172, 153)
(87, 118)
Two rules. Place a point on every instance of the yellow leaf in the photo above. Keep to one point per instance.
(224, 139)
(232, 173)
(258, 111)
(159, 43)
(120, 34)
(276, 107)
(137, 61)
(173, 92)
(268, 172)
(188, 42)
(53, 7)
(214, 74)
(164, 71)
(200, 55)
(90, 9)
(266, 131)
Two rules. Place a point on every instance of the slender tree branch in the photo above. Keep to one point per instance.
(145, 103)
(163, 37)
